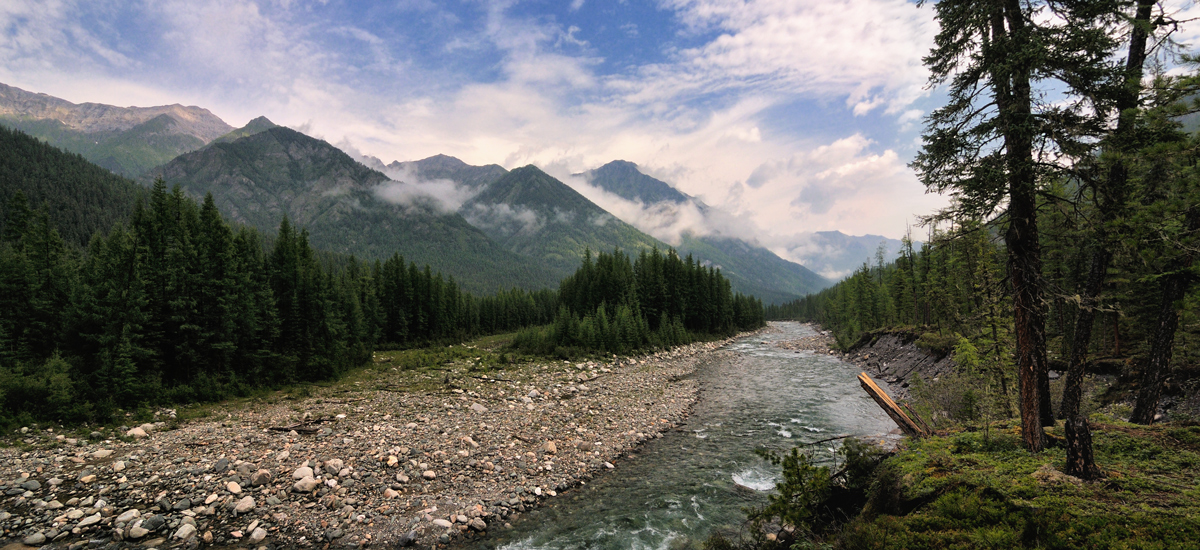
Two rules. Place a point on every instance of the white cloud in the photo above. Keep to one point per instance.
(700, 119)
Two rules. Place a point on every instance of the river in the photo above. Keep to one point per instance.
(677, 489)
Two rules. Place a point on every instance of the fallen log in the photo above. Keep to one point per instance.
(881, 398)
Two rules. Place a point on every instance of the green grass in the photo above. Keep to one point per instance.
(966, 490)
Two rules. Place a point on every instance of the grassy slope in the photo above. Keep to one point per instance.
(968, 490)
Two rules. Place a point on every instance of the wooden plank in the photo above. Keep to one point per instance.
(885, 402)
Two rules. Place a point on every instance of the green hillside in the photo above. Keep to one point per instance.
(260, 178)
(80, 197)
(126, 152)
(530, 213)
(751, 269)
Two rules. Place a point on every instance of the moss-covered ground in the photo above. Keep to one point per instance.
(980, 489)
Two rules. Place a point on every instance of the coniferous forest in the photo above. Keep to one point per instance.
(1071, 240)
(169, 303)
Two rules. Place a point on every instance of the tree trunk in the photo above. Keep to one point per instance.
(1014, 104)
(1111, 197)
(1080, 462)
(1158, 363)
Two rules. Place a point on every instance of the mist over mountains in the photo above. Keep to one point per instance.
(486, 226)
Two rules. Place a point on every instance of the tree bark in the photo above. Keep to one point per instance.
(1014, 104)
(1111, 197)
(1158, 363)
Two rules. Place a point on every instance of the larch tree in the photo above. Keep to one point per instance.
(999, 138)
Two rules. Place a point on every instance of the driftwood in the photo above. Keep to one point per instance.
(906, 424)
(486, 379)
(301, 428)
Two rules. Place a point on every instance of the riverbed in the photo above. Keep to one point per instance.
(703, 475)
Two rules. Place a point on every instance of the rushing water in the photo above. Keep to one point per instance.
(703, 476)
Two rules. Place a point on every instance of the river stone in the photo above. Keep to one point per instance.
(184, 504)
(477, 524)
(442, 523)
(302, 472)
(551, 448)
(34, 539)
(334, 466)
(429, 474)
(258, 535)
(221, 466)
(244, 505)
(102, 453)
(31, 485)
(389, 493)
(137, 433)
(153, 523)
(128, 515)
(305, 485)
(478, 408)
(186, 531)
(233, 487)
(90, 520)
(137, 532)
(88, 478)
(260, 478)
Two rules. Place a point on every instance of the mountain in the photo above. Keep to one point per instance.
(261, 177)
(260, 124)
(125, 140)
(622, 178)
(530, 213)
(836, 255)
(442, 167)
(80, 197)
(751, 269)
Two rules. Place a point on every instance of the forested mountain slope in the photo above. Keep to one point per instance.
(261, 177)
(530, 213)
(751, 269)
(79, 197)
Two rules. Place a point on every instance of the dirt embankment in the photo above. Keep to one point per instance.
(896, 359)
(397, 458)
(892, 357)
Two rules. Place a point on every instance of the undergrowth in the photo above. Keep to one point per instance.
(975, 489)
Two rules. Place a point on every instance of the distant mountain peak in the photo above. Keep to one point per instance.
(624, 179)
(98, 117)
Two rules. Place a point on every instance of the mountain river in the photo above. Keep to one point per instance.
(704, 475)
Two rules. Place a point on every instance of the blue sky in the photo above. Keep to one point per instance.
(791, 115)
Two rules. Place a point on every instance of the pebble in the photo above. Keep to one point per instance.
(90, 520)
(185, 532)
(305, 485)
(244, 505)
(354, 480)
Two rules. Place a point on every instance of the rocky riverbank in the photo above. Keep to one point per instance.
(894, 358)
(391, 458)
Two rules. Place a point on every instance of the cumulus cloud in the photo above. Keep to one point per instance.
(701, 115)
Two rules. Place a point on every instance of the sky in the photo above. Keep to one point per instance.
(790, 116)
